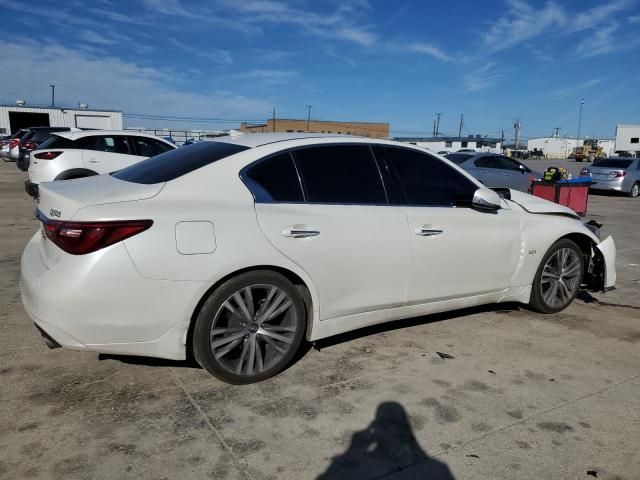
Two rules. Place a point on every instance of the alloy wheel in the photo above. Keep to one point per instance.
(635, 190)
(253, 329)
(561, 277)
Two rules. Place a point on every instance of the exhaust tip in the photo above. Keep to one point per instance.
(48, 340)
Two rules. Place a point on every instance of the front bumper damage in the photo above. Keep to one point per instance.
(600, 274)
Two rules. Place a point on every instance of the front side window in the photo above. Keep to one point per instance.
(427, 181)
(106, 143)
(276, 179)
(340, 174)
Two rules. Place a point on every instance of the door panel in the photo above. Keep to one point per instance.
(358, 256)
(467, 253)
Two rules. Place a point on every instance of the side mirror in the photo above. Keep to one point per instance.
(486, 199)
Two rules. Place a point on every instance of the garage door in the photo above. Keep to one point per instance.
(100, 122)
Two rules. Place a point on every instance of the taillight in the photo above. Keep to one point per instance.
(46, 155)
(14, 142)
(29, 145)
(619, 174)
(585, 172)
(79, 238)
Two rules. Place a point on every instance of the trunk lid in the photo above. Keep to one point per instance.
(600, 173)
(61, 200)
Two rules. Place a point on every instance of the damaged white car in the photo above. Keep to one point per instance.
(238, 249)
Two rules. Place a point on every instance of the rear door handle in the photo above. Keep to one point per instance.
(300, 231)
(427, 231)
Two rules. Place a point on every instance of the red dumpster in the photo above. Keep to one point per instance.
(572, 193)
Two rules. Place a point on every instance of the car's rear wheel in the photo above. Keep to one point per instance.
(249, 328)
(635, 190)
(558, 277)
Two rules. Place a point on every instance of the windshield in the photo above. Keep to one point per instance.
(457, 158)
(175, 163)
(612, 163)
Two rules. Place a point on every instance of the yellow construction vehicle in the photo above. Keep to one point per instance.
(588, 151)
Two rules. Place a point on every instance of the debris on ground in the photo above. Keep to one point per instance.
(445, 355)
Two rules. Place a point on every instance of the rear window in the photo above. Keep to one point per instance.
(612, 163)
(40, 135)
(55, 141)
(170, 165)
(457, 158)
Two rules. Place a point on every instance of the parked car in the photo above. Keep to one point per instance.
(236, 249)
(13, 151)
(30, 141)
(68, 155)
(616, 174)
(495, 170)
(5, 144)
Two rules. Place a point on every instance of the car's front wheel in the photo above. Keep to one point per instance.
(558, 277)
(249, 328)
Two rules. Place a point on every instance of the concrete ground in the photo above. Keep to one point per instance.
(526, 396)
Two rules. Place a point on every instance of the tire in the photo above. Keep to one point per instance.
(256, 334)
(635, 190)
(568, 256)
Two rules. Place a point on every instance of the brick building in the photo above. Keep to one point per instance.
(362, 129)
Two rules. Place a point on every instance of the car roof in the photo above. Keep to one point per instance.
(88, 133)
(253, 140)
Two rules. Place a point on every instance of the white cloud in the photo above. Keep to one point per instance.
(482, 78)
(568, 91)
(596, 16)
(634, 19)
(216, 55)
(428, 49)
(522, 22)
(109, 82)
(600, 42)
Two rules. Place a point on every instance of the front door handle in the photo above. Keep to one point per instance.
(427, 231)
(300, 231)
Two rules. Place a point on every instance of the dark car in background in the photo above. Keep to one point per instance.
(495, 170)
(30, 141)
(616, 174)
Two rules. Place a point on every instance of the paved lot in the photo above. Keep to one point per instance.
(526, 396)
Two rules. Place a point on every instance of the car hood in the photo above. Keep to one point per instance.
(537, 205)
(62, 199)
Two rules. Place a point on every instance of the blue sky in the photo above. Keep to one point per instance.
(362, 60)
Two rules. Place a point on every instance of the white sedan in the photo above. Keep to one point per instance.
(238, 249)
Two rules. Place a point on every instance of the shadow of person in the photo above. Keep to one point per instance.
(386, 448)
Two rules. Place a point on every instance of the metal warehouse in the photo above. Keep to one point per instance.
(15, 117)
(628, 138)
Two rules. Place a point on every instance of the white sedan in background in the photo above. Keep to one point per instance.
(237, 249)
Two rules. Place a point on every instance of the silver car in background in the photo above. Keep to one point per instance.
(618, 174)
(496, 170)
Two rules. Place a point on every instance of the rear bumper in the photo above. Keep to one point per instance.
(605, 185)
(99, 302)
(31, 188)
(23, 162)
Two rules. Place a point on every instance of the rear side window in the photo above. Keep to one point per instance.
(613, 163)
(106, 143)
(55, 141)
(149, 147)
(175, 163)
(428, 181)
(340, 174)
(276, 179)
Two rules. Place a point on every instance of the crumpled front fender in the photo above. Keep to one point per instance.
(608, 250)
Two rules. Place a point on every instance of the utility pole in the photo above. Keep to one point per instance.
(308, 115)
(433, 134)
(580, 120)
(517, 127)
(438, 125)
(274, 120)
(502, 142)
(461, 124)
(53, 94)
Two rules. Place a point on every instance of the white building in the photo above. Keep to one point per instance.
(454, 144)
(628, 138)
(553, 147)
(608, 146)
(15, 117)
